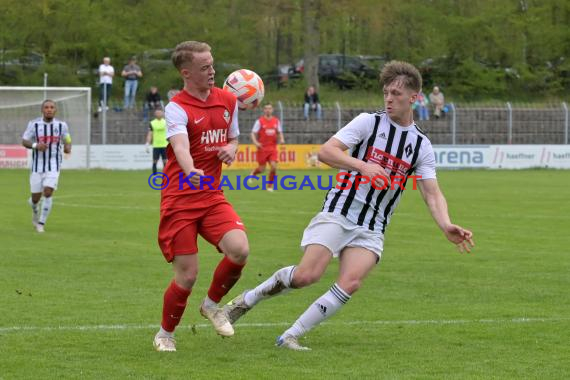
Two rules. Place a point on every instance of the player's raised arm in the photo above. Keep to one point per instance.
(181, 148)
(32, 145)
(177, 135)
(67, 144)
(434, 199)
(332, 154)
(28, 137)
(227, 153)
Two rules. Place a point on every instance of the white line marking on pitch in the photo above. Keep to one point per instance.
(278, 324)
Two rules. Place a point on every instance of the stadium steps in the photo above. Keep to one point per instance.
(474, 126)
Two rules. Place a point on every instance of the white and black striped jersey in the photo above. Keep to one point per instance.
(373, 137)
(53, 134)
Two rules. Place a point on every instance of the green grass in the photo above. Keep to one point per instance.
(426, 312)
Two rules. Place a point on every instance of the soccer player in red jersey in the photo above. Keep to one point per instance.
(202, 130)
(264, 136)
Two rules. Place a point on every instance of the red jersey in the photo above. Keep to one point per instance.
(267, 130)
(209, 124)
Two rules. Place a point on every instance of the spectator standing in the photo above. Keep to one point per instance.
(106, 74)
(131, 72)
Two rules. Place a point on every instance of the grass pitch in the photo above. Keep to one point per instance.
(84, 299)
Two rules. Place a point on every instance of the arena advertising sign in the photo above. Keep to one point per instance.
(134, 157)
(503, 156)
(13, 156)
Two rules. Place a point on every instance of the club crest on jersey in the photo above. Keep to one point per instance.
(55, 130)
(227, 116)
(409, 150)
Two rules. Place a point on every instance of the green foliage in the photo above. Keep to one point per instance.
(474, 80)
(491, 48)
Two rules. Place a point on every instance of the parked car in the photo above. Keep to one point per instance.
(18, 58)
(375, 62)
(156, 59)
(337, 68)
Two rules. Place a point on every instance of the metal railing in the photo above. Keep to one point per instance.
(470, 124)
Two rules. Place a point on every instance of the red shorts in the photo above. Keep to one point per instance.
(264, 156)
(211, 217)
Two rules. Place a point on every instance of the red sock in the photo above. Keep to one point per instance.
(271, 178)
(174, 304)
(225, 276)
(256, 171)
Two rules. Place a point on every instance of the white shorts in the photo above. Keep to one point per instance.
(336, 233)
(40, 180)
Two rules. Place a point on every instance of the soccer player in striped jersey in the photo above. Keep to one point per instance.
(264, 136)
(48, 138)
(353, 219)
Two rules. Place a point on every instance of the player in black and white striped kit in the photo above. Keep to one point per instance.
(48, 138)
(353, 219)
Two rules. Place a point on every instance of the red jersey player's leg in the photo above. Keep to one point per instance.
(223, 228)
(261, 161)
(272, 158)
(178, 234)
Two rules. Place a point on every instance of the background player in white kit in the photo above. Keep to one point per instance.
(48, 138)
(352, 221)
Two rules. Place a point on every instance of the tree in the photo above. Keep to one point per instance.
(311, 39)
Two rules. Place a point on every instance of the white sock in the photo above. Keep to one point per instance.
(164, 333)
(208, 303)
(324, 307)
(46, 209)
(34, 206)
(279, 283)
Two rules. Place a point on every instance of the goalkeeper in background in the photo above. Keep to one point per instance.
(48, 138)
(157, 136)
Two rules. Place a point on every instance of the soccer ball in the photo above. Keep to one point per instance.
(247, 86)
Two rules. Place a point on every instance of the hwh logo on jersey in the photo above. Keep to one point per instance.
(48, 139)
(214, 136)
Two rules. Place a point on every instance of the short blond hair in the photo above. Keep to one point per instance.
(184, 52)
(396, 70)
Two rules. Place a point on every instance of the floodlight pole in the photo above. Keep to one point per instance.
(104, 118)
(88, 148)
(338, 116)
(280, 105)
(45, 85)
(565, 107)
(453, 124)
(510, 113)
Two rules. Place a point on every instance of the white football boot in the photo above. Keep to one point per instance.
(290, 342)
(218, 318)
(164, 343)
